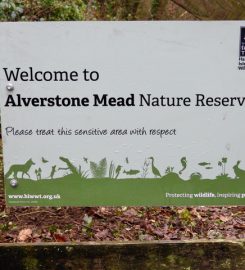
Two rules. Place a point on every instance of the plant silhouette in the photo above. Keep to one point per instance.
(70, 166)
(145, 168)
(114, 171)
(222, 164)
(82, 174)
(111, 170)
(98, 170)
(118, 170)
(169, 170)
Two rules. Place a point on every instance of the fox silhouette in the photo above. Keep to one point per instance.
(20, 168)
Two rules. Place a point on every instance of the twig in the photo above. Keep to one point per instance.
(186, 9)
(35, 212)
(87, 227)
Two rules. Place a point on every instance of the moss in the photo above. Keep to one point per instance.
(69, 249)
(226, 265)
(171, 259)
(152, 260)
(188, 255)
(155, 4)
(30, 263)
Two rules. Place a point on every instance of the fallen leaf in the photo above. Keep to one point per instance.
(130, 212)
(102, 234)
(59, 237)
(196, 213)
(158, 232)
(24, 235)
(239, 226)
(225, 218)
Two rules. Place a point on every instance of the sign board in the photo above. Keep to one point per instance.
(123, 113)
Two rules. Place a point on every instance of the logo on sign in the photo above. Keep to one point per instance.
(241, 65)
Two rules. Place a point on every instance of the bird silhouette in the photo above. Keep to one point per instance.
(155, 171)
(44, 160)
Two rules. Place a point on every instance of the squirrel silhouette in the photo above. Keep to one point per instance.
(238, 172)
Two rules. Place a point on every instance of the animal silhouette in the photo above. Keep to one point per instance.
(37, 174)
(184, 164)
(155, 171)
(20, 168)
(53, 171)
(131, 172)
(44, 160)
(204, 163)
(238, 172)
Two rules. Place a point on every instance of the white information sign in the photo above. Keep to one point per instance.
(123, 113)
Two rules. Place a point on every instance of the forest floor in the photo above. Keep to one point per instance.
(50, 224)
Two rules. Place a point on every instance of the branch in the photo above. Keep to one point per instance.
(186, 9)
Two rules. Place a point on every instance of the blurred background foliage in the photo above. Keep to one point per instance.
(70, 10)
